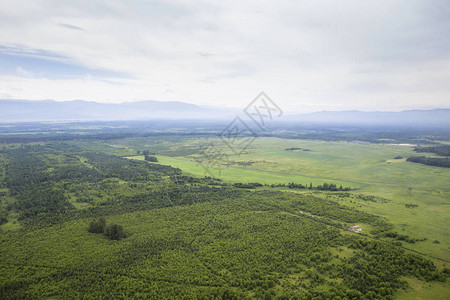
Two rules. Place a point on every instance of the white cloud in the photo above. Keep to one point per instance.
(22, 72)
(305, 54)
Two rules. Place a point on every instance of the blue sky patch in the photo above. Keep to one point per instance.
(21, 61)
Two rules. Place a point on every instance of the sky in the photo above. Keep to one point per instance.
(306, 55)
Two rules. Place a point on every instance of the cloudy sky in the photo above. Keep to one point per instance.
(306, 55)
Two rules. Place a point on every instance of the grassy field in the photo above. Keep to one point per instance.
(423, 290)
(241, 174)
(369, 168)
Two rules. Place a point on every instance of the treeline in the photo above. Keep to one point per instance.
(295, 148)
(442, 150)
(322, 187)
(431, 161)
(250, 185)
(402, 237)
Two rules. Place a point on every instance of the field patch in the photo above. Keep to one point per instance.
(235, 174)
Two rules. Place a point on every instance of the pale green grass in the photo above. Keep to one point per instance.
(369, 163)
(419, 290)
(240, 174)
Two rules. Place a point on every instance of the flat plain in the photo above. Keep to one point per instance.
(240, 232)
(369, 169)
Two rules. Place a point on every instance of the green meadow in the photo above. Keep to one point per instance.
(241, 174)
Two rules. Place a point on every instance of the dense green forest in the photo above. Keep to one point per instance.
(98, 225)
(431, 161)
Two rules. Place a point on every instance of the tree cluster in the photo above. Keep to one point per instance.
(323, 187)
(150, 158)
(112, 231)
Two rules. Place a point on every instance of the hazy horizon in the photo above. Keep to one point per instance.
(231, 108)
(151, 110)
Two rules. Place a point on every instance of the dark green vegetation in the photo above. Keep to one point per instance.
(97, 226)
(431, 161)
(442, 150)
(291, 185)
(112, 231)
(296, 148)
(189, 237)
(150, 158)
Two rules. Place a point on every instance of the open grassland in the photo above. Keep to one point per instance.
(241, 174)
(368, 163)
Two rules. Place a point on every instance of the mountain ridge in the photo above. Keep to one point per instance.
(22, 110)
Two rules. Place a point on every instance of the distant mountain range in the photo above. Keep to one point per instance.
(80, 110)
